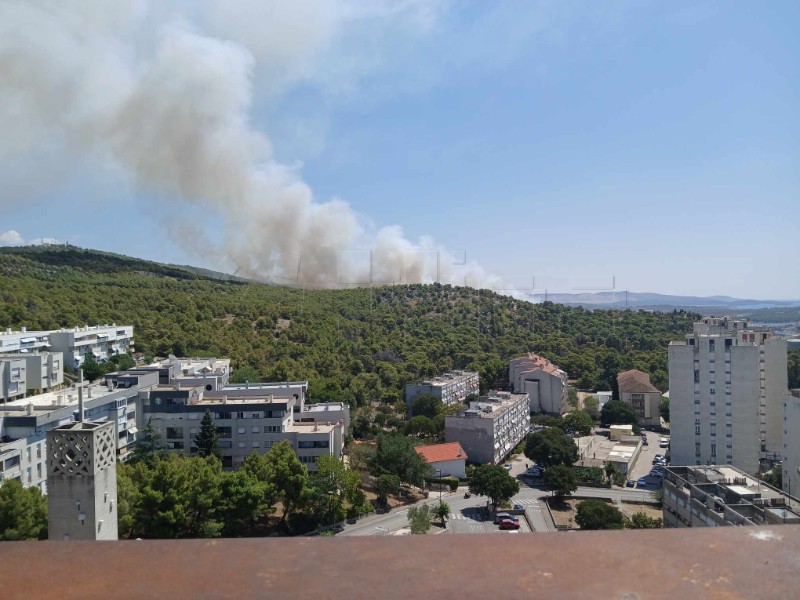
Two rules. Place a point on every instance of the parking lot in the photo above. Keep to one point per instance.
(471, 520)
(641, 470)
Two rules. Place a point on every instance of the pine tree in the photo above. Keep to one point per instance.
(149, 448)
(206, 440)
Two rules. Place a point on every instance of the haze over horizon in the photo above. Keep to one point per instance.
(550, 145)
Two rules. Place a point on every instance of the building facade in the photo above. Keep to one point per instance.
(491, 427)
(636, 391)
(447, 460)
(451, 388)
(543, 382)
(721, 496)
(99, 341)
(727, 382)
(41, 371)
(249, 418)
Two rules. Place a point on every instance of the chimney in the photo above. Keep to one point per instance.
(29, 408)
(24, 329)
(110, 385)
(89, 390)
(247, 385)
(59, 399)
(225, 399)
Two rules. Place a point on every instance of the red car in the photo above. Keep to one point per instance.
(509, 524)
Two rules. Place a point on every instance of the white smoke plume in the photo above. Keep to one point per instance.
(153, 95)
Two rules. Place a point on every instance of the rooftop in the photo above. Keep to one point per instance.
(543, 565)
(441, 452)
(540, 363)
(635, 382)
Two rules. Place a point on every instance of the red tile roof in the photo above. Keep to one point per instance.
(441, 452)
(635, 382)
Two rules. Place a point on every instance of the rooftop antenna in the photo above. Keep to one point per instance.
(80, 395)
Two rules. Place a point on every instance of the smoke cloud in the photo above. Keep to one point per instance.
(163, 99)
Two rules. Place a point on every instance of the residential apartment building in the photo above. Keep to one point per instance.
(491, 427)
(13, 377)
(720, 496)
(38, 371)
(209, 373)
(13, 342)
(790, 455)
(728, 383)
(451, 388)
(25, 423)
(543, 382)
(98, 341)
(249, 418)
(636, 391)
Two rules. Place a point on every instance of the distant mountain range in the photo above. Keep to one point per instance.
(623, 299)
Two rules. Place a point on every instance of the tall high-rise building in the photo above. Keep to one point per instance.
(727, 385)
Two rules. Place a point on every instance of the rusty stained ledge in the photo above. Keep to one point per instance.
(729, 562)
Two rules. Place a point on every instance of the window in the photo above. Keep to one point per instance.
(223, 415)
(39, 450)
(697, 449)
(174, 433)
(256, 444)
(255, 415)
(272, 428)
(313, 444)
(56, 365)
(712, 391)
(711, 345)
(255, 429)
(713, 450)
(241, 430)
(241, 444)
(224, 432)
(240, 415)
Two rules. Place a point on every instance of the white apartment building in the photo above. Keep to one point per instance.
(209, 373)
(13, 342)
(249, 418)
(543, 382)
(791, 444)
(728, 382)
(25, 422)
(25, 372)
(98, 341)
(451, 388)
(491, 427)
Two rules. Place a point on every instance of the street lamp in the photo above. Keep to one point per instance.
(439, 471)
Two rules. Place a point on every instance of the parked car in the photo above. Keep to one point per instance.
(657, 458)
(519, 507)
(663, 443)
(630, 483)
(507, 466)
(641, 482)
(509, 524)
(504, 515)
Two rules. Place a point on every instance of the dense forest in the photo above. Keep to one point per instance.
(354, 345)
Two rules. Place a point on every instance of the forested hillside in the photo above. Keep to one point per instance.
(355, 345)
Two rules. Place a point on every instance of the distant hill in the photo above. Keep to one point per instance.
(356, 345)
(627, 299)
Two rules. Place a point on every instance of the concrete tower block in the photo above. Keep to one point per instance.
(82, 481)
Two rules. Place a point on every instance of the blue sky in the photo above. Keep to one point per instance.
(655, 145)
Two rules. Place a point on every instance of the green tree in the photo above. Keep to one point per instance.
(245, 374)
(289, 476)
(426, 405)
(419, 519)
(442, 510)
(244, 503)
(206, 440)
(774, 477)
(611, 470)
(641, 521)
(92, 369)
(149, 448)
(663, 409)
(572, 397)
(395, 455)
(561, 479)
(596, 514)
(360, 456)
(551, 446)
(616, 412)
(23, 512)
(420, 425)
(387, 484)
(493, 481)
(122, 362)
(592, 406)
(578, 421)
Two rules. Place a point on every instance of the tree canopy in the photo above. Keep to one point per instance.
(395, 455)
(206, 440)
(551, 446)
(493, 481)
(561, 479)
(23, 512)
(596, 514)
(616, 412)
(578, 421)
